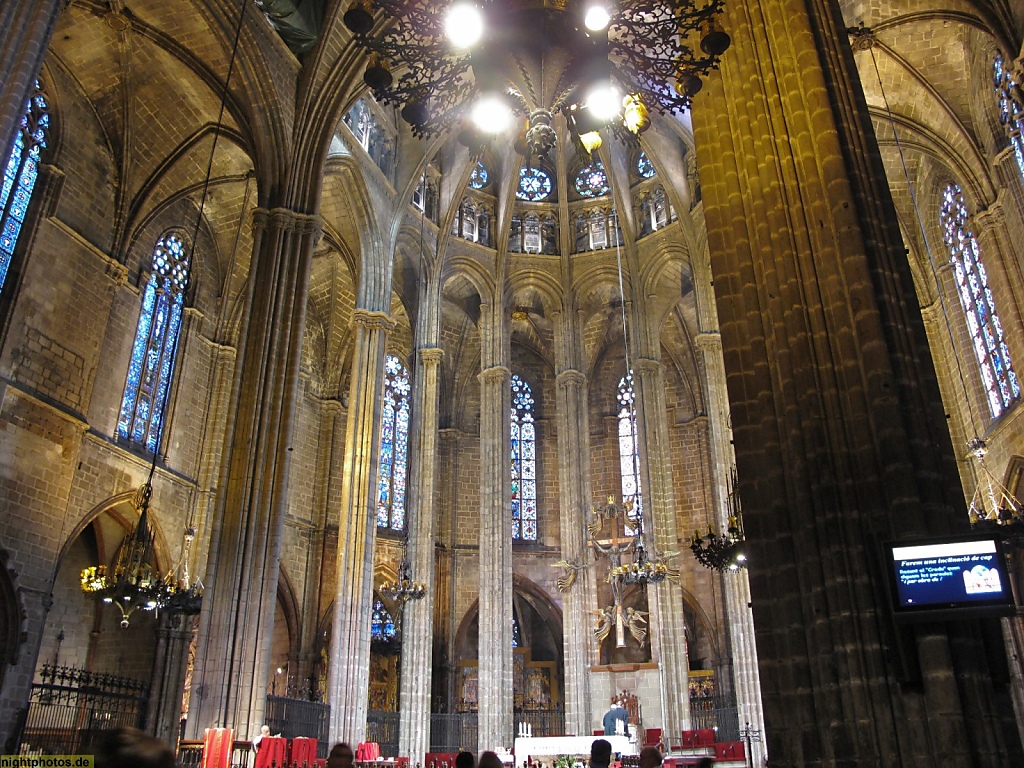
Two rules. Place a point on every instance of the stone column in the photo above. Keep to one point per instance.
(25, 31)
(736, 586)
(495, 656)
(840, 436)
(418, 615)
(236, 626)
(574, 500)
(168, 682)
(668, 643)
(348, 680)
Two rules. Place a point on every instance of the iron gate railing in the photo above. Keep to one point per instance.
(69, 707)
(717, 712)
(452, 732)
(543, 722)
(294, 718)
(382, 727)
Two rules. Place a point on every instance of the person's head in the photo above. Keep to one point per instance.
(341, 756)
(489, 760)
(465, 760)
(650, 757)
(131, 748)
(265, 730)
(600, 753)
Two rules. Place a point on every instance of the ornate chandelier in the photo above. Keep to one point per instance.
(642, 570)
(404, 588)
(993, 506)
(132, 584)
(598, 63)
(723, 552)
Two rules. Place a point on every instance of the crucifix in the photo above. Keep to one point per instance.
(613, 548)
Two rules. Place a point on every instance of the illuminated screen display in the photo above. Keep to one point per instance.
(951, 577)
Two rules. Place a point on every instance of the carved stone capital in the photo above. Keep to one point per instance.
(709, 342)
(366, 318)
(989, 218)
(495, 375)
(117, 272)
(646, 366)
(431, 355)
(570, 377)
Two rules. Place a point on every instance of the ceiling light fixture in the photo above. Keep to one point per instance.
(435, 66)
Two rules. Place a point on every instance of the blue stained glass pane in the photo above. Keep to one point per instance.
(523, 451)
(644, 167)
(978, 302)
(534, 184)
(478, 178)
(591, 180)
(394, 444)
(382, 624)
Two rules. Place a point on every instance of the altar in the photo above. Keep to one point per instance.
(531, 747)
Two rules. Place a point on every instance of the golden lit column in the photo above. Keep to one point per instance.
(495, 654)
(668, 626)
(418, 615)
(839, 431)
(237, 620)
(348, 679)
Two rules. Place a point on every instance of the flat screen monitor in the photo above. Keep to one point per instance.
(949, 578)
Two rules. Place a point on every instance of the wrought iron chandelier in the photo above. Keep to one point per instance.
(596, 62)
(723, 552)
(993, 505)
(133, 584)
(643, 569)
(404, 588)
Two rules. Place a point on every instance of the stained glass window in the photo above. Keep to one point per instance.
(1011, 111)
(524, 462)
(1001, 385)
(382, 624)
(534, 184)
(478, 178)
(20, 175)
(592, 181)
(394, 445)
(156, 340)
(517, 637)
(644, 166)
(629, 446)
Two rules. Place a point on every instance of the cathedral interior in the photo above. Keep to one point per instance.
(403, 404)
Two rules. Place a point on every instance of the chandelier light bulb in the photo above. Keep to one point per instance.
(464, 25)
(604, 102)
(597, 17)
(492, 115)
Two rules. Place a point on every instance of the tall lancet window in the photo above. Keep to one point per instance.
(1011, 111)
(20, 175)
(629, 446)
(1001, 385)
(524, 462)
(394, 445)
(156, 340)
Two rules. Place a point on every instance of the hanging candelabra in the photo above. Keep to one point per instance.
(723, 552)
(404, 588)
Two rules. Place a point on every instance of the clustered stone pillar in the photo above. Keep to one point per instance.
(668, 643)
(237, 621)
(839, 431)
(736, 586)
(348, 681)
(418, 615)
(25, 31)
(574, 501)
(495, 656)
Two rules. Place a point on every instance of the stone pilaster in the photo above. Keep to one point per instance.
(348, 680)
(236, 628)
(418, 615)
(668, 644)
(736, 586)
(574, 500)
(168, 682)
(495, 657)
(838, 427)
